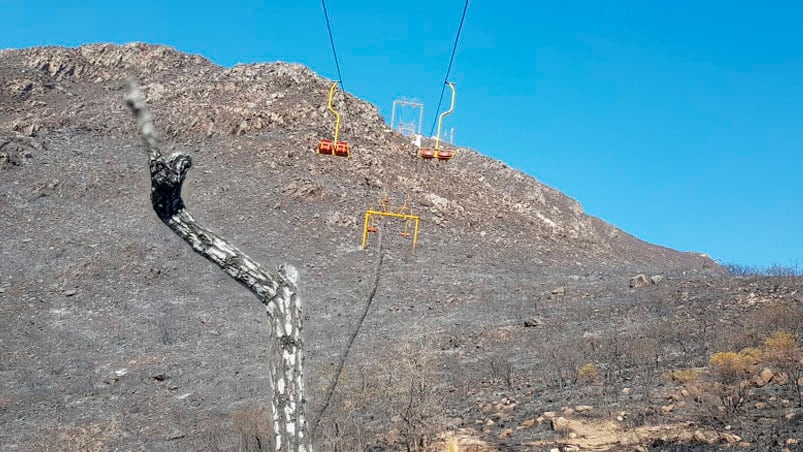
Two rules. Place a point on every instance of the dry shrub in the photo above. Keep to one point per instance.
(782, 351)
(589, 373)
(255, 427)
(683, 376)
(782, 347)
(391, 402)
(731, 372)
(732, 367)
(79, 438)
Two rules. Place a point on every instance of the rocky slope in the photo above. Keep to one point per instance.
(271, 115)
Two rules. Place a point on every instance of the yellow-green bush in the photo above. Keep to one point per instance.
(589, 373)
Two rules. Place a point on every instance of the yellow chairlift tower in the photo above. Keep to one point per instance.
(403, 212)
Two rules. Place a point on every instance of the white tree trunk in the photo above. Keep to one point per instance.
(276, 291)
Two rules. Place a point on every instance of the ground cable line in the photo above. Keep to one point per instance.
(333, 384)
(449, 68)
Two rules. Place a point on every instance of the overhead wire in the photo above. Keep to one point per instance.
(332, 42)
(334, 53)
(449, 68)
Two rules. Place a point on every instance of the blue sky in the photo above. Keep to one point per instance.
(680, 122)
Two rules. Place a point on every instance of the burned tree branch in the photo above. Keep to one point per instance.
(276, 291)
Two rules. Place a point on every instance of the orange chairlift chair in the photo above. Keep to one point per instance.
(437, 152)
(334, 147)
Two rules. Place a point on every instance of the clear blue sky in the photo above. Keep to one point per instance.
(680, 122)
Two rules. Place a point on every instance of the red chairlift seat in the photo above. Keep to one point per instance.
(326, 147)
(445, 155)
(342, 149)
(427, 153)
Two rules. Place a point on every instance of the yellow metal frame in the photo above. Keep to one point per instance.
(389, 212)
(406, 217)
(337, 115)
(443, 115)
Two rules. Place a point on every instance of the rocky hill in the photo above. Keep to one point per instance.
(115, 335)
(271, 115)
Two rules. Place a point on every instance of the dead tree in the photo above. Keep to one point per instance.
(277, 291)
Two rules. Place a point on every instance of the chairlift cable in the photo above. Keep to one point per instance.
(337, 148)
(332, 42)
(449, 68)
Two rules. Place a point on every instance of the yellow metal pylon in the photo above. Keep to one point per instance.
(368, 224)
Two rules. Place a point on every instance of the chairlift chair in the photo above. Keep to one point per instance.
(436, 152)
(334, 147)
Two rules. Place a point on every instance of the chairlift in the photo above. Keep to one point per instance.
(334, 147)
(403, 212)
(405, 233)
(437, 152)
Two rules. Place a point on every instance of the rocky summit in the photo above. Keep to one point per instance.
(514, 310)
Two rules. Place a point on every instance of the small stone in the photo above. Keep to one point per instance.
(655, 279)
(626, 391)
(528, 423)
(667, 408)
(700, 437)
(490, 423)
(583, 408)
(730, 438)
(765, 376)
(506, 433)
(559, 291)
(393, 435)
(70, 292)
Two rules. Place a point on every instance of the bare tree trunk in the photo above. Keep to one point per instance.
(276, 291)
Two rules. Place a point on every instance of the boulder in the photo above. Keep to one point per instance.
(639, 280)
(560, 424)
(533, 322)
